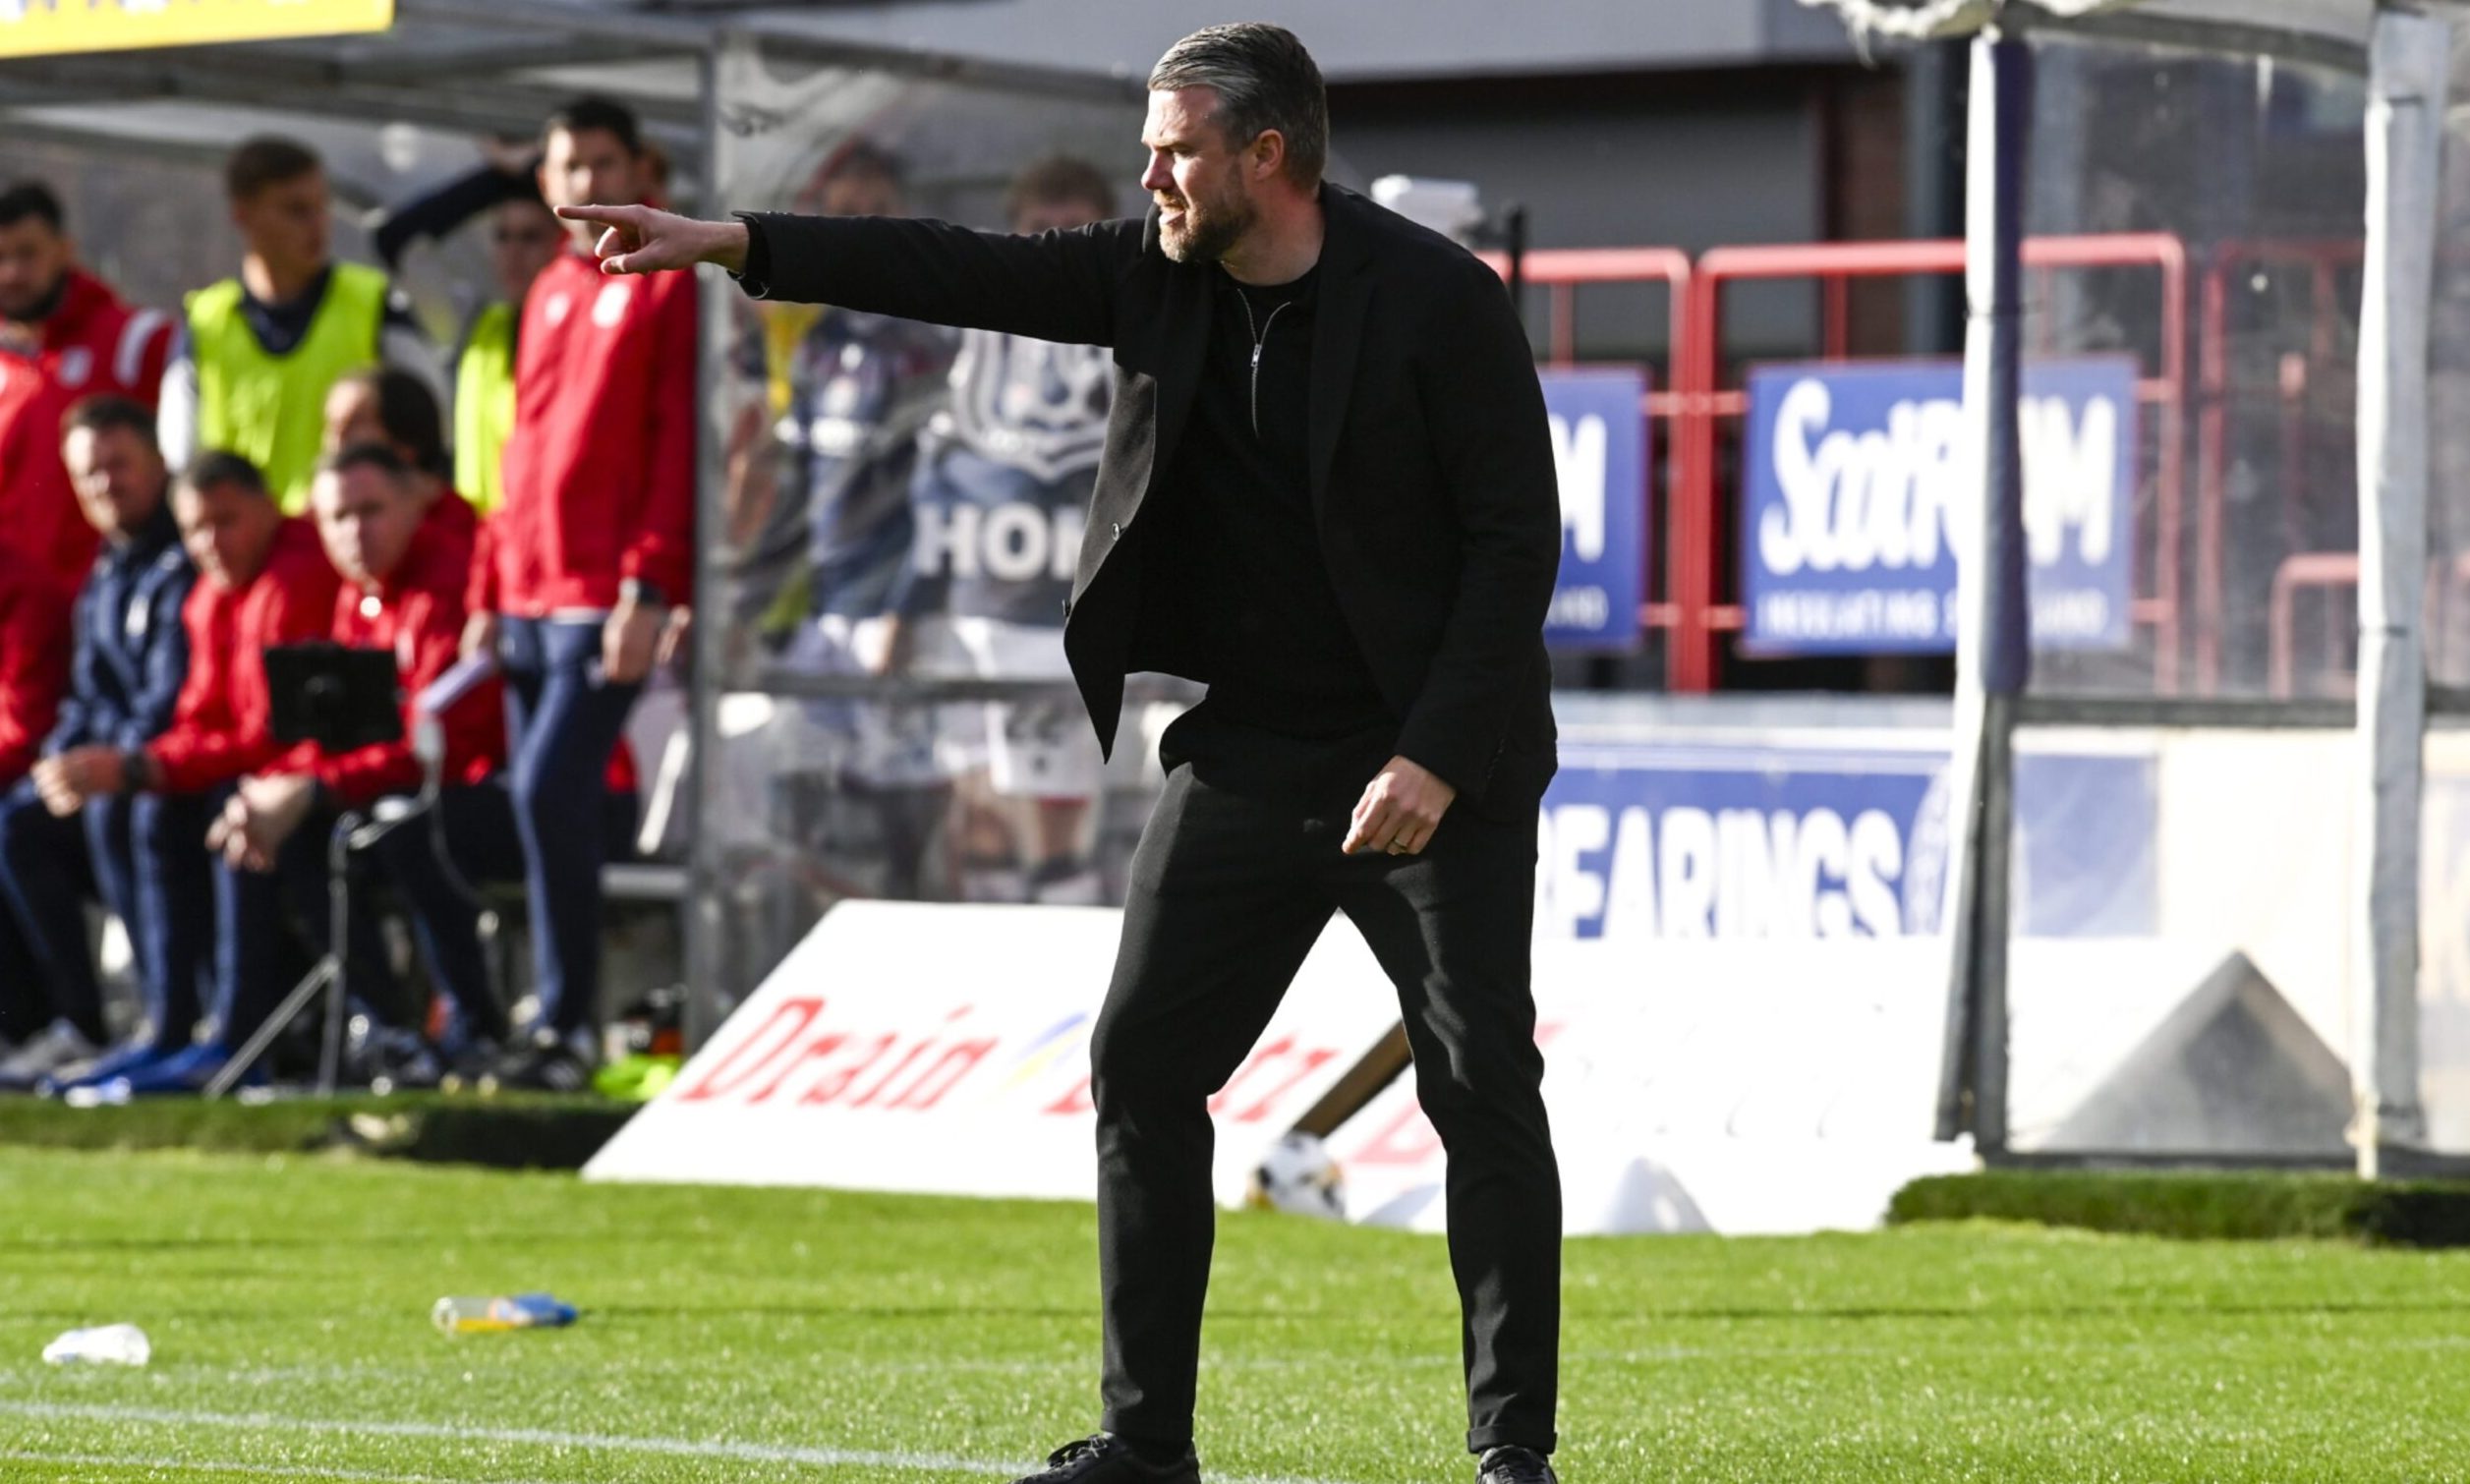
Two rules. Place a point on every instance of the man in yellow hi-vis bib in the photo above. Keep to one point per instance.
(260, 350)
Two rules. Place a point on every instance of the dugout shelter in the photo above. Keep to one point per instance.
(131, 109)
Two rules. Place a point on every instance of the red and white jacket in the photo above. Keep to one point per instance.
(418, 613)
(222, 724)
(600, 466)
(35, 645)
(92, 344)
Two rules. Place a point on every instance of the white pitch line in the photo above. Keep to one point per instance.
(226, 1466)
(679, 1448)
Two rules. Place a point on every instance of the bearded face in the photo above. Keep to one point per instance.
(1195, 177)
(33, 257)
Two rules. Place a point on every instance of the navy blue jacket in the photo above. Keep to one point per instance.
(131, 649)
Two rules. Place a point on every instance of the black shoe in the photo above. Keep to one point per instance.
(1514, 1465)
(545, 1065)
(387, 1061)
(1105, 1459)
(470, 1066)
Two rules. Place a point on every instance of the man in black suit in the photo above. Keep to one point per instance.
(1327, 493)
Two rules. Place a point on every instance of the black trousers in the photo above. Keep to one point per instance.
(273, 924)
(1238, 873)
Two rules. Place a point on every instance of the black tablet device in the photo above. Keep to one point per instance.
(335, 696)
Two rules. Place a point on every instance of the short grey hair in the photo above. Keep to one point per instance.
(1264, 79)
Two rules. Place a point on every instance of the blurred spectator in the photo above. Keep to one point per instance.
(859, 389)
(402, 591)
(1003, 486)
(64, 831)
(523, 239)
(63, 336)
(591, 551)
(380, 404)
(33, 659)
(262, 580)
(383, 405)
(260, 350)
(33, 671)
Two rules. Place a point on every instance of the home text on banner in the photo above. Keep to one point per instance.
(52, 27)
(1601, 451)
(1856, 491)
(943, 1049)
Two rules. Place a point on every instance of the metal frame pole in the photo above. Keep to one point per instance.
(1993, 653)
(705, 924)
(2409, 62)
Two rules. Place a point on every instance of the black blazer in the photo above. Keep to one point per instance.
(1431, 461)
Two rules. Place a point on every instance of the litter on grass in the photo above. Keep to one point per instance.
(490, 1316)
(105, 1344)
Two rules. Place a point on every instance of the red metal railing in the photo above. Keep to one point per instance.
(1695, 547)
(2323, 262)
(1561, 271)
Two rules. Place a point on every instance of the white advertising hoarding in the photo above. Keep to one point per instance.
(943, 1049)
(1796, 1099)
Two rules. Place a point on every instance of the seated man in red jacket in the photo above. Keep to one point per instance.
(402, 590)
(33, 675)
(263, 580)
(386, 404)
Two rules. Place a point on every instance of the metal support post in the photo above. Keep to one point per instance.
(1993, 653)
(2408, 76)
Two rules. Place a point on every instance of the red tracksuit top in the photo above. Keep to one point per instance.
(600, 466)
(35, 645)
(92, 344)
(418, 613)
(222, 723)
(452, 517)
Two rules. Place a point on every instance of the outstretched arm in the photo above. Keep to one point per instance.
(1056, 286)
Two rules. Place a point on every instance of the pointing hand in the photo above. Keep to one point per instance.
(646, 240)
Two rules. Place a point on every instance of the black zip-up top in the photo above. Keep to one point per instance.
(1429, 464)
(1238, 510)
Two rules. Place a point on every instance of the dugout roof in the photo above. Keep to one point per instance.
(2334, 30)
(476, 66)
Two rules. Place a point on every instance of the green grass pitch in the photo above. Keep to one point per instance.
(743, 1335)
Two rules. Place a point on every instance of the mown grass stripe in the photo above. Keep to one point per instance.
(528, 1436)
(232, 1466)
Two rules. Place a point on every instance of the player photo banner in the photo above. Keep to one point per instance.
(1856, 486)
(1602, 451)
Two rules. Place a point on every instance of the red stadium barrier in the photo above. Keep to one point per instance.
(1694, 402)
(2324, 261)
(1561, 271)
(1696, 541)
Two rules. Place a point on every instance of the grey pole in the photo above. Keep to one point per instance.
(1994, 652)
(2409, 61)
(705, 922)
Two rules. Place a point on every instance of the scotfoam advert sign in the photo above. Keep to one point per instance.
(1600, 452)
(1857, 493)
